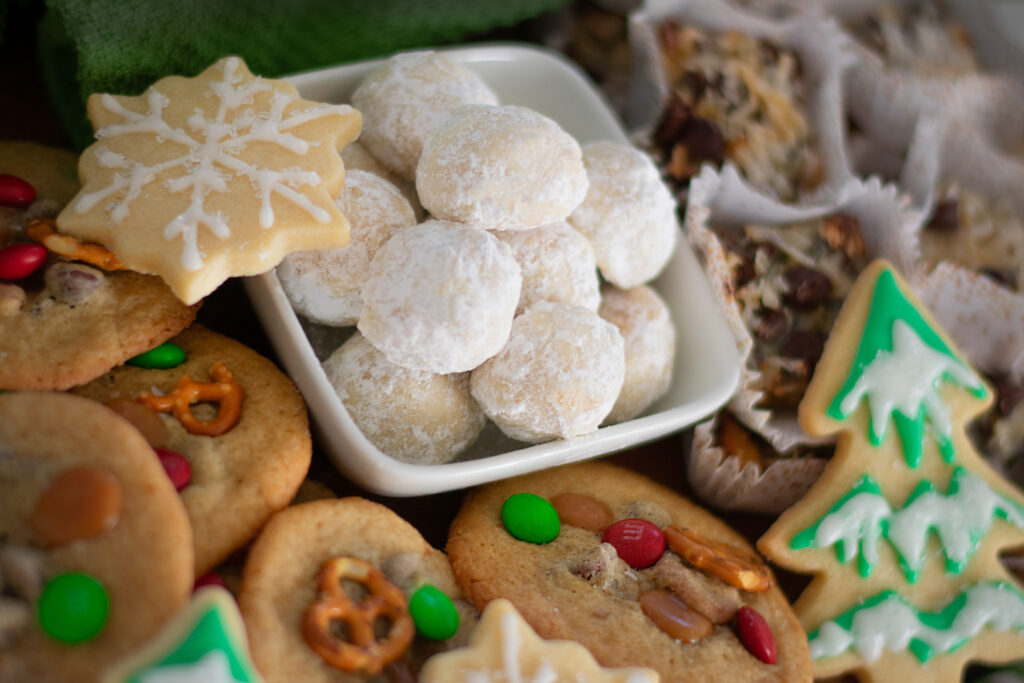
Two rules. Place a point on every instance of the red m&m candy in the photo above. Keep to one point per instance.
(638, 542)
(756, 634)
(15, 191)
(176, 466)
(20, 260)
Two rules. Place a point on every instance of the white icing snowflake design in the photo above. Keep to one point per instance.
(213, 152)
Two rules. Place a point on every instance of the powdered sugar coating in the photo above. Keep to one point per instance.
(408, 96)
(414, 416)
(650, 341)
(505, 168)
(440, 296)
(628, 215)
(558, 376)
(324, 285)
(357, 158)
(557, 264)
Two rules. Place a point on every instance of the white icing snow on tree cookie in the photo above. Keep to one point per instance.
(198, 179)
(904, 528)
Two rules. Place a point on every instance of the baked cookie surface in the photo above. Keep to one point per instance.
(281, 576)
(238, 478)
(603, 612)
(81, 494)
(63, 330)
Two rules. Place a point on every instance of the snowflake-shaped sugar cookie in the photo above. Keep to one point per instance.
(199, 179)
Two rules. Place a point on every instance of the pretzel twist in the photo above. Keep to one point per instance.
(224, 391)
(42, 231)
(360, 651)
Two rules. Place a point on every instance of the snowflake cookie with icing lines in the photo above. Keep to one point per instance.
(904, 528)
(200, 179)
(504, 649)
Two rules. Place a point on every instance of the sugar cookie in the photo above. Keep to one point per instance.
(650, 341)
(505, 168)
(557, 264)
(412, 415)
(628, 214)
(408, 96)
(558, 376)
(324, 285)
(440, 296)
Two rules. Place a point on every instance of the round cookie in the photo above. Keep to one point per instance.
(357, 158)
(82, 492)
(646, 327)
(505, 168)
(557, 376)
(411, 415)
(440, 297)
(557, 264)
(239, 478)
(547, 585)
(324, 284)
(280, 583)
(407, 97)
(628, 215)
(70, 322)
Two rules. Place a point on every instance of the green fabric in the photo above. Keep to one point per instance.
(121, 46)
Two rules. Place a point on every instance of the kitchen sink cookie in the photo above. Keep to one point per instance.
(319, 577)
(904, 528)
(557, 264)
(631, 570)
(440, 297)
(324, 285)
(200, 179)
(65, 315)
(408, 96)
(557, 377)
(650, 344)
(628, 214)
(412, 415)
(95, 546)
(230, 428)
(504, 168)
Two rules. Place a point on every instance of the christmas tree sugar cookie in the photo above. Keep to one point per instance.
(504, 648)
(904, 528)
(198, 179)
(204, 643)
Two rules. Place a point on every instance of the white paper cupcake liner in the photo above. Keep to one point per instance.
(824, 53)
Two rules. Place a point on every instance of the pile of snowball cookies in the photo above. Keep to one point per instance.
(491, 308)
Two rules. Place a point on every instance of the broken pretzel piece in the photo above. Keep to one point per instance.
(734, 565)
(43, 231)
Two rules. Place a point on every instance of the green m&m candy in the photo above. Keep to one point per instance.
(162, 357)
(530, 518)
(73, 608)
(433, 613)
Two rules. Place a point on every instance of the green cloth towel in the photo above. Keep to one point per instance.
(122, 46)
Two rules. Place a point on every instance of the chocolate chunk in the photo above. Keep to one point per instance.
(73, 283)
(675, 114)
(771, 325)
(808, 288)
(694, 85)
(743, 273)
(945, 217)
(703, 140)
(805, 345)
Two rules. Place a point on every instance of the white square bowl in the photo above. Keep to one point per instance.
(706, 363)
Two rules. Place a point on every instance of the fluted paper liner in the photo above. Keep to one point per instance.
(822, 48)
(888, 227)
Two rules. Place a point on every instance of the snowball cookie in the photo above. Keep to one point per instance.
(358, 158)
(506, 168)
(558, 376)
(324, 284)
(557, 264)
(646, 326)
(406, 97)
(411, 415)
(440, 297)
(628, 215)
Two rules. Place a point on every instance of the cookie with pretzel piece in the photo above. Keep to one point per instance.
(631, 570)
(230, 427)
(322, 573)
(67, 314)
(95, 546)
